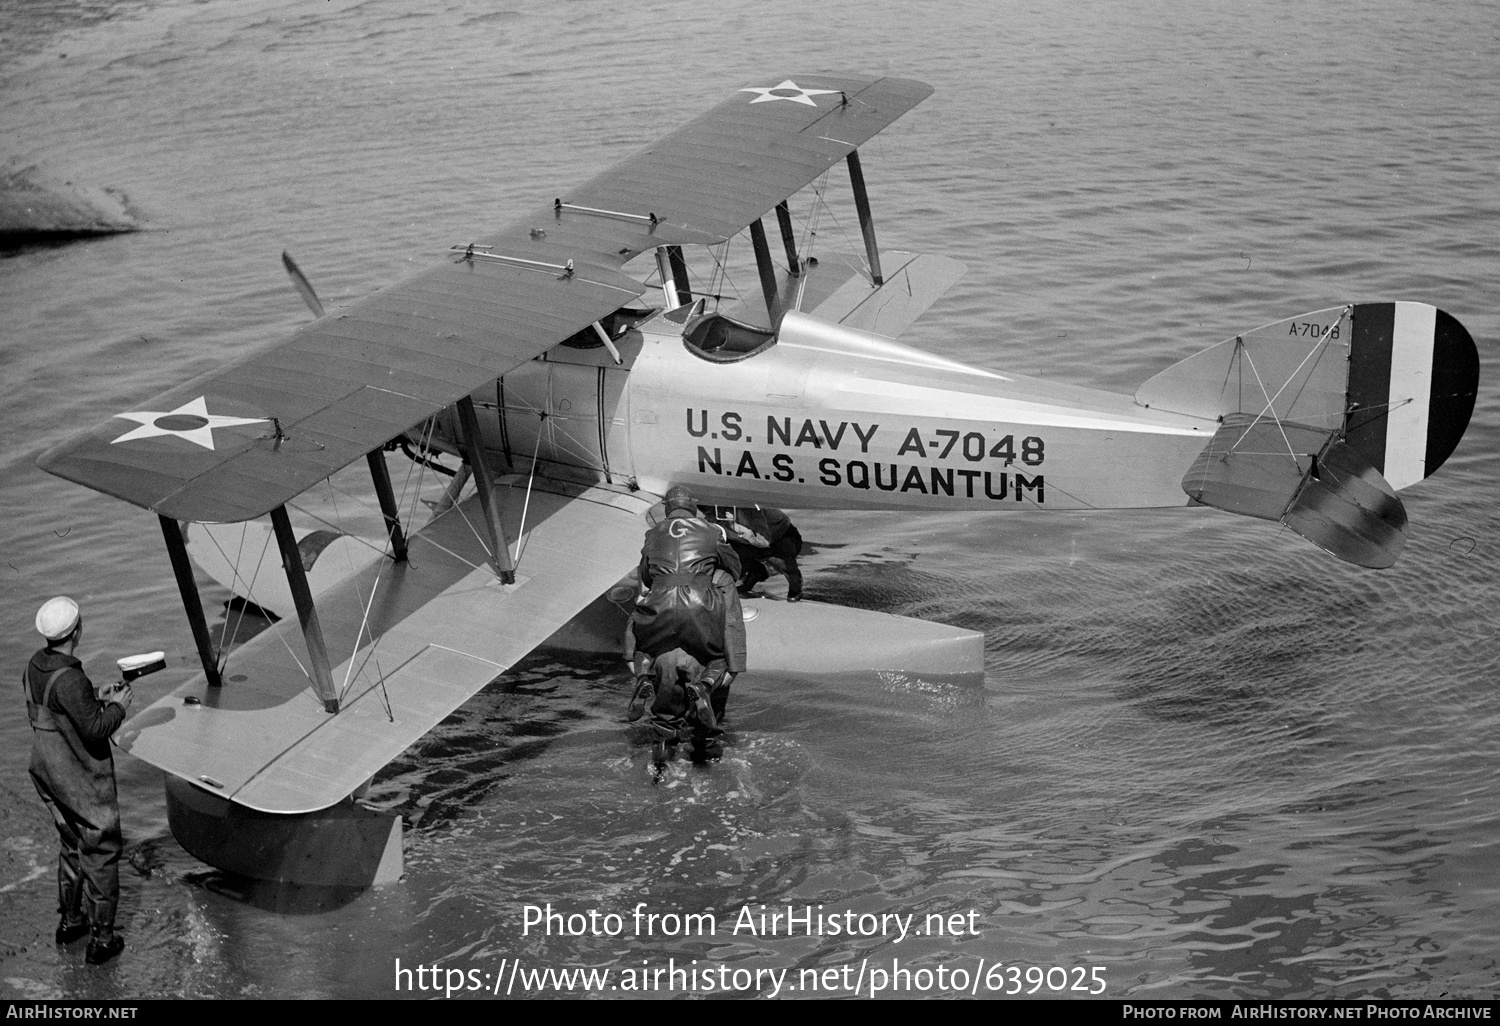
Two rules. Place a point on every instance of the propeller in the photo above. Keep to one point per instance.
(303, 286)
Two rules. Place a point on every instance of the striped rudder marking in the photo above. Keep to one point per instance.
(1413, 376)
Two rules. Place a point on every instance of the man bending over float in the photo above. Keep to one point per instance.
(686, 639)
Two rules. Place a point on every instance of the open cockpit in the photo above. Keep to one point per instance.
(719, 338)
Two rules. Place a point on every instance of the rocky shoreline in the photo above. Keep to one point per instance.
(38, 208)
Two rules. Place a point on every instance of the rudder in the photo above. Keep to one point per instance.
(1413, 380)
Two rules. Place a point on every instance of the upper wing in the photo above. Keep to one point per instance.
(242, 440)
(421, 638)
(718, 173)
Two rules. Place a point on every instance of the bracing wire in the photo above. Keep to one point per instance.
(356, 500)
(250, 594)
(574, 447)
(809, 235)
(1317, 348)
(521, 538)
(234, 567)
(858, 250)
(405, 490)
(359, 637)
(1245, 352)
(338, 515)
(237, 577)
(364, 623)
(720, 278)
(443, 548)
(249, 589)
(329, 523)
(1270, 406)
(475, 532)
(372, 655)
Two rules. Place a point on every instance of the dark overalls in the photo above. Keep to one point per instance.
(74, 772)
(682, 605)
(780, 555)
(680, 622)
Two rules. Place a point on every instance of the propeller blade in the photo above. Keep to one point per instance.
(303, 286)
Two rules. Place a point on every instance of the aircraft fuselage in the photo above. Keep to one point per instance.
(830, 417)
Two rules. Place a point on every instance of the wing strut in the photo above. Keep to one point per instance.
(767, 271)
(382, 476)
(307, 613)
(484, 482)
(788, 237)
(182, 569)
(866, 219)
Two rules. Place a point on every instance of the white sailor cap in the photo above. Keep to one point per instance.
(57, 618)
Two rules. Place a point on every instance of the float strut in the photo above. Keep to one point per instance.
(866, 221)
(307, 613)
(788, 236)
(452, 492)
(767, 272)
(382, 477)
(182, 569)
(484, 483)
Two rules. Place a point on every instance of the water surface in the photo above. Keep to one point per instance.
(1205, 756)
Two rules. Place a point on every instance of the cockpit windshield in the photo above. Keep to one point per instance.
(721, 339)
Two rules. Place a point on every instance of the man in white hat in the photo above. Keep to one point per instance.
(74, 772)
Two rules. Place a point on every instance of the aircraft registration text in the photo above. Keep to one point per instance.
(955, 453)
(1306, 329)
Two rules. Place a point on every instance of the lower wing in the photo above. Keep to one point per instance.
(421, 638)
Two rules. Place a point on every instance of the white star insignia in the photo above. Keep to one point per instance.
(194, 423)
(776, 93)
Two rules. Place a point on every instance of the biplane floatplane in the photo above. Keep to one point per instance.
(575, 394)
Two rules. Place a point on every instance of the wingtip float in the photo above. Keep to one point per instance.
(575, 393)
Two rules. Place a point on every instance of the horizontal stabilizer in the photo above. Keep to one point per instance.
(1253, 465)
(838, 290)
(1307, 478)
(912, 284)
